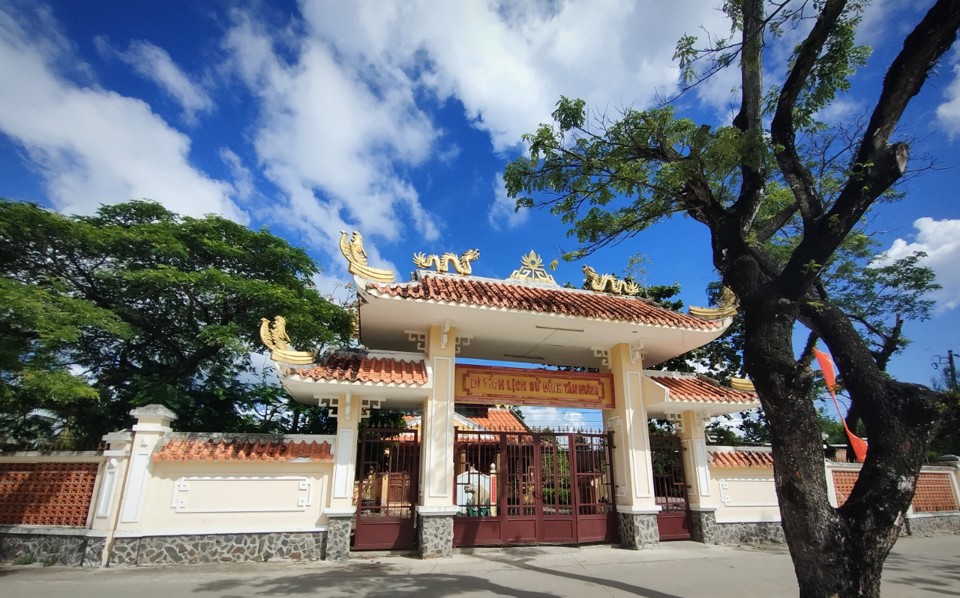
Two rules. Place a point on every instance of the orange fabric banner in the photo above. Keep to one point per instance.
(826, 366)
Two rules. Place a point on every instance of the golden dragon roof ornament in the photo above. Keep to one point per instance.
(443, 262)
(275, 338)
(531, 268)
(727, 307)
(352, 248)
(607, 283)
(742, 384)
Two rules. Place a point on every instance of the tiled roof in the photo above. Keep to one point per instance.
(736, 458)
(695, 389)
(508, 295)
(360, 367)
(500, 420)
(240, 448)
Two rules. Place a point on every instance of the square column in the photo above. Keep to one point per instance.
(696, 474)
(436, 507)
(636, 504)
(341, 508)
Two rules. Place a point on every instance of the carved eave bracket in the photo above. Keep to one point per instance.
(274, 337)
(352, 248)
(727, 307)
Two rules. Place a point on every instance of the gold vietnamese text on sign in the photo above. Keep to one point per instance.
(352, 249)
(486, 385)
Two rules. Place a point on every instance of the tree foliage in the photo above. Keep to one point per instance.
(136, 305)
(776, 223)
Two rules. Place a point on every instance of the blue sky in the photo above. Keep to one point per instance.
(397, 119)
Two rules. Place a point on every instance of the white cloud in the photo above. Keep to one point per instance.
(940, 240)
(90, 145)
(333, 137)
(502, 210)
(948, 113)
(156, 65)
(242, 176)
(558, 418)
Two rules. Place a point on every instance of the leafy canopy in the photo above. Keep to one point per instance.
(135, 305)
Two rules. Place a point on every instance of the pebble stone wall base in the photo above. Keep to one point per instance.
(338, 538)
(933, 525)
(638, 530)
(49, 549)
(435, 536)
(217, 548)
(704, 528)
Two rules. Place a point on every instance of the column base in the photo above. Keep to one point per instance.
(435, 535)
(338, 538)
(703, 527)
(638, 530)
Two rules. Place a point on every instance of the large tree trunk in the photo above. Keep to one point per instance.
(836, 552)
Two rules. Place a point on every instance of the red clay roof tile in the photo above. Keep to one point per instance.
(359, 367)
(694, 389)
(741, 459)
(500, 420)
(241, 448)
(525, 297)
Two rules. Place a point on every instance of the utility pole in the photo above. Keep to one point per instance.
(951, 367)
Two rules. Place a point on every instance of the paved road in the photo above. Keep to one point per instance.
(917, 568)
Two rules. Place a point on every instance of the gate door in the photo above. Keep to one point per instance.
(388, 466)
(670, 487)
(523, 488)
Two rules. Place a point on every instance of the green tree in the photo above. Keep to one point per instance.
(137, 305)
(747, 183)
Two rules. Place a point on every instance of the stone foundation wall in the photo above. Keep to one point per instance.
(51, 549)
(338, 538)
(217, 548)
(435, 536)
(638, 530)
(704, 528)
(933, 525)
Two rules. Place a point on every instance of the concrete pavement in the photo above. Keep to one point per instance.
(917, 568)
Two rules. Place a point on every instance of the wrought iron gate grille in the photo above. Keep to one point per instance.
(513, 487)
(387, 471)
(670, 487)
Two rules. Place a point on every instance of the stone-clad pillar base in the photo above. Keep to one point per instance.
(435, 532)
(638, 530)
(338, 536)
(703, 526)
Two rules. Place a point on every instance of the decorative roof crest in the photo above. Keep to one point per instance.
(442, 263)
(352, 249)
(727, 307)
(531, 269)
(275, 338)
(742, 384)
(607, 283)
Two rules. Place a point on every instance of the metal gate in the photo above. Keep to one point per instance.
(520, 488)
(670, 487)
(388, 467)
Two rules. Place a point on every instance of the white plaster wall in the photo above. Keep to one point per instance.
(744, 494)
(232, 497)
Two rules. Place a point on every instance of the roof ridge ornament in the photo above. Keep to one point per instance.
(531, 269)
(742, 384)
(275, 338)
(352, 249)
(608, 283)
(726, 308)
(443, 262)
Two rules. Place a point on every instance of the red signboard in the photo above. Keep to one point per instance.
(485, 385)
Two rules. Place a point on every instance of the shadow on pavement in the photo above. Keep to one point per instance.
(941, 575)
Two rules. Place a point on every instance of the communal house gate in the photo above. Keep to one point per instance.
(670, 487)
